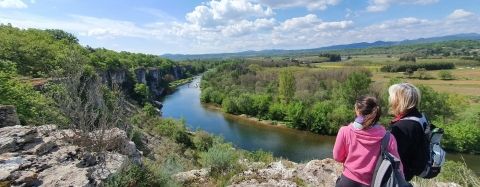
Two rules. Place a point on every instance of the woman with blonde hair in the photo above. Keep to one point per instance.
(404, 100)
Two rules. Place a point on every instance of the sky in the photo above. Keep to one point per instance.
(217, 26)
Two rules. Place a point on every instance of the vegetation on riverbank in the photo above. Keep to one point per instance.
(317, 98)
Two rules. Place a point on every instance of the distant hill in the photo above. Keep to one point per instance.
(361, 45)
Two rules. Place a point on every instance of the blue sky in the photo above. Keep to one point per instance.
(212, 26)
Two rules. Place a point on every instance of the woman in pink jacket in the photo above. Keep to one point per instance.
(358, 145)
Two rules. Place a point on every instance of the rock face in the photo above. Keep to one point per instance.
(8, 116)
(45, 156)
(156, 78)
(285, 173)
(323, 173)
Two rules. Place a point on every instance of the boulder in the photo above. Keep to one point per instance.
(47, 156)
(8, 116)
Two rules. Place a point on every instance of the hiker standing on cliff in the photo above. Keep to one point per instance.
(357, 145)
(404, 99)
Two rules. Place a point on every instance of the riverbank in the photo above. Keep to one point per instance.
(278, 124)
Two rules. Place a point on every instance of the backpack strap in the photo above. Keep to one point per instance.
(422, 121)
(385, 142)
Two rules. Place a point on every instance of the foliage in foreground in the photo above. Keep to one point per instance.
(452, 171)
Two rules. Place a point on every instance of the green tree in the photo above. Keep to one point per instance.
(356, 85)
(295, 115)
(229, 105)
(286, 86)
(445, 75)
(142, 91)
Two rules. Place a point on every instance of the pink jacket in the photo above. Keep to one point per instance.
(358, 150)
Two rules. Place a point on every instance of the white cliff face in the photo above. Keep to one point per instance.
(45, 156)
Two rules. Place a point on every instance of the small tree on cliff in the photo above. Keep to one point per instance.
(286, 86)
(91, 107)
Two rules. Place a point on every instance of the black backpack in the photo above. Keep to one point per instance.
(433, 150)
(387, 170)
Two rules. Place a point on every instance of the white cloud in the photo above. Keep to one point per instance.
(402, 22)
(245, 27)
(309, 4)
(382, 5)
(12, 4)
(227, 33)
(215, 13)
(460, 14)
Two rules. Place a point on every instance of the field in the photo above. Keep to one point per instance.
(466, 77)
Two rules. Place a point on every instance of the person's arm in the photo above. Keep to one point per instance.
(340, 148)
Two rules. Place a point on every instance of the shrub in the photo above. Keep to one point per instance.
(277, 111)
(202, 140)
(422, 73)
(33, 108)
(459, 173)
(221, 158)
(229, 105)
(357, 84)
(261, 104)
(445, 75)
(174, 129)
(130, 175)
(142, 92)
(295, 111)
(414, 67)
(150, 110)
(462, 136)
(407, 58)
(319, 116)
(260, 156)
(245, 104)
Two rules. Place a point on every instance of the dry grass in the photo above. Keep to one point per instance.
(467, 81)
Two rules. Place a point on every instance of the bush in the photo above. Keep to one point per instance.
(356, 85)
(221, 158)
(131, 175)
(277, 111)
(445, 75)
(414, 67)
(33, 108)
(260, 156)
(459, 173)
(150, 110)
(408, 58)
(319, 116)
(295, 114)
(261, 104)
(203, 141)
(422, 73)
(245, 105)
(141, 90)
(229, 105)
(462, 136)
(174, 129)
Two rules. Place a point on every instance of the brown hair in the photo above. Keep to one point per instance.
(369, 108)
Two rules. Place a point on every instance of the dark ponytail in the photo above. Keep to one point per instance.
(369, 108)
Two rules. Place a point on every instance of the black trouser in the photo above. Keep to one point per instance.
(343, 181)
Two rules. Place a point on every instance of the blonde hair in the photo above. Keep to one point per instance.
(403, 97)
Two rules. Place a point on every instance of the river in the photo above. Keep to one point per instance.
(292, 144)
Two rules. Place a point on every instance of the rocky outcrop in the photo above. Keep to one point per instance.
(280, 173)
(285, 173)
(8, 116)
(47, 156)
(156, 78)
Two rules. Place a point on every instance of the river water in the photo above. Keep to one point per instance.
(292, 144)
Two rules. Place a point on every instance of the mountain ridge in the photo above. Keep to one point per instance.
(359, 45)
